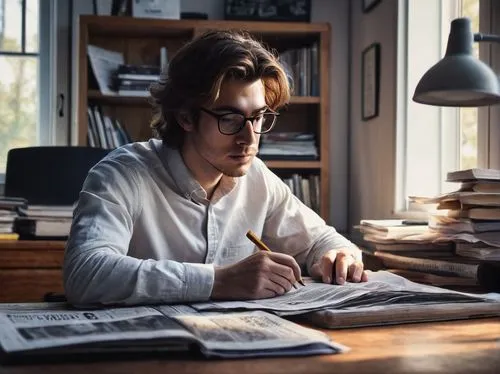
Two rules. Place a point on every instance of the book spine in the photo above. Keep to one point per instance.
(314, 70)
(427, 265)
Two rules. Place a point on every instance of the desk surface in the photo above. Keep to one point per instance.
(448, 347)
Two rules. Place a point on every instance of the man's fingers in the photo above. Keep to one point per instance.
(327, 263)
(364, 276)
(266, 294)
(316, 270)
(283, 285)
(342, 264)
(287, 261)
(355, 272)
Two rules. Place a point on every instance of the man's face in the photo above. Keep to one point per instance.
(231, 155)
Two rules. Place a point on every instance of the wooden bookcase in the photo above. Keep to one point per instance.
(140, 41)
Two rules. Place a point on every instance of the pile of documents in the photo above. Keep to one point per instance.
(44, 221)
(470, 216)
(8, 214)
(415, 251)
(56, 329)
(463, 230)
(231, 329)
(288, 146)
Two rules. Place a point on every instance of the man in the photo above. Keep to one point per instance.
(165, 221)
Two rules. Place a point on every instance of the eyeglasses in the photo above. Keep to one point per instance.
(232, 123)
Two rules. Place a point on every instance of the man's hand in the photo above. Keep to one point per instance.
(261, 275)
(338, 266)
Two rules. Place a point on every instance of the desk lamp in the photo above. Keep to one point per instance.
(460, 79)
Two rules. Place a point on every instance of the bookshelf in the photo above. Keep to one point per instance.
(140, 40)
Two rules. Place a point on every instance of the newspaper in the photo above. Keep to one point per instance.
(40, 329)
(383, 291)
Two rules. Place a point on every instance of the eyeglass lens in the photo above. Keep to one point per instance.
(231, 123)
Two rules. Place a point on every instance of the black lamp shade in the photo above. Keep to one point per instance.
(459, 79)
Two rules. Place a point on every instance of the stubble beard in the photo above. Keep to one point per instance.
(240, 172)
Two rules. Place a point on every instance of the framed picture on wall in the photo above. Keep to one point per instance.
(369, 5)
(370, 81)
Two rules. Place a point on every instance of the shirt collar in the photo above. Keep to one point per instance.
(188, 186)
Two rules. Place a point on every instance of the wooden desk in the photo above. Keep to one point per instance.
(30, 269)
(448, 347)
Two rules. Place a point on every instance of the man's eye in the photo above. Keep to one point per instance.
(232, 117)
(226, 120)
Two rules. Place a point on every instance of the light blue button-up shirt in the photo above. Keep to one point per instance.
(144, 232)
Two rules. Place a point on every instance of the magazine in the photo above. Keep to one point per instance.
(37, 330)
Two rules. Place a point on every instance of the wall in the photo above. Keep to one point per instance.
(373, 142)
(336, 12)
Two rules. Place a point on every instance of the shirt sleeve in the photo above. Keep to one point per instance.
(293, 228)
(97, 269)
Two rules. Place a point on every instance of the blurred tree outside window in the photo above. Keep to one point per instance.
(19, 80)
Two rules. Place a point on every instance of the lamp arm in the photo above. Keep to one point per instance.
(478, 37)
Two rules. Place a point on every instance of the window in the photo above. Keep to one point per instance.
(430, 140)
(34, 74)
(19, 61)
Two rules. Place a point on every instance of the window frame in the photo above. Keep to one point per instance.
(54, 74)
(489, 116)
(443, 139)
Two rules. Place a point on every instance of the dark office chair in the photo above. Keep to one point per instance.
(49, 175)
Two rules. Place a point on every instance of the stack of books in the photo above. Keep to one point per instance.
(469, 216)
(416, 252)
(135, 80)
(288, 146)
(44, 222)
(397, 236)
(8, 214)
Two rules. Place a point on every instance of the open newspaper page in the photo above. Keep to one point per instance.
(257, 333)
(45, 329)
(383, 290)
(41, 329)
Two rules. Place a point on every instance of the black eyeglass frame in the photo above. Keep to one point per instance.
(218, 116)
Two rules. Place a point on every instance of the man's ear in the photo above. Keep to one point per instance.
(185, 121)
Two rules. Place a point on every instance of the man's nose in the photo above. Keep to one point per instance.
(247, 135)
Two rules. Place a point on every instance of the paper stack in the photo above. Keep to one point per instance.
(470, 216)
(8, 214)
(44, 222)
(416, 252)
(288, 146)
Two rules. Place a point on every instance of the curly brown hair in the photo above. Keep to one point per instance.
(196, 72)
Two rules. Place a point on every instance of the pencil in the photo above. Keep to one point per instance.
(260, 244)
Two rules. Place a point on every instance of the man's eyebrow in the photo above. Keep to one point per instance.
(232, 109)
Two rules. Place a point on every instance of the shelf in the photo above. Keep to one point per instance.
(112, 26)
(290, 164)
(143, 101)
(117, 99)
(139, 40)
